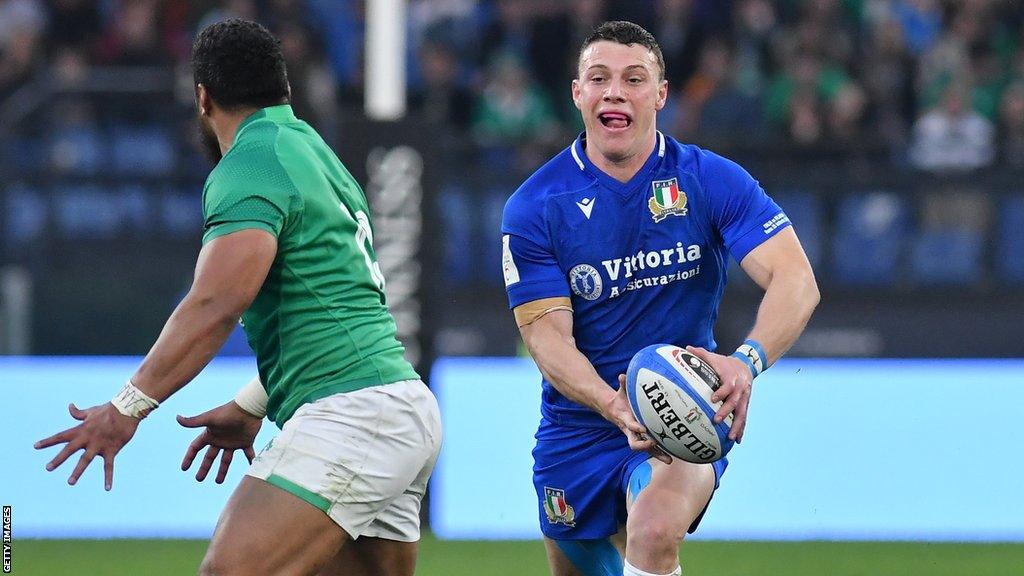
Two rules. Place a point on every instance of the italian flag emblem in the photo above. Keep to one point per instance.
(667, 199)
(557, 509)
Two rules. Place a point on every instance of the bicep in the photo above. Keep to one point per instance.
(233, 267)
(781, 253)
(556, 324)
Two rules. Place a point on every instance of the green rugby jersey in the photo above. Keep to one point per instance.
(319, 325)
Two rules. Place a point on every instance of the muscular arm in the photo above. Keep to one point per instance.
(550, 342)
(229, 273)
(780, 267)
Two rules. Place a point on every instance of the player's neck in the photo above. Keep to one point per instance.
(622, 169)
(226, 127)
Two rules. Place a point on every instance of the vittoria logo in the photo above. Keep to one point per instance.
(557, 509)
(586, 282)
(667, 200)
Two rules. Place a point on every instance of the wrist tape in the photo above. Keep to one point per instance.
(752, 354)
(133, 402)
(253, 398)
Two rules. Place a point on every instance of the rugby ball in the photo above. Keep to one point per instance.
(670, 391)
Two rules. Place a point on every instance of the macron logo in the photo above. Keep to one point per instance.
(587, 206)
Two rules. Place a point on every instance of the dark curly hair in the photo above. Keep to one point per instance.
(240, 64)
(622, 32)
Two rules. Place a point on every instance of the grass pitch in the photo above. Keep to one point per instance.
(438, 558)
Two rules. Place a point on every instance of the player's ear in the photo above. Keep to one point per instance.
(203, 101)
(662, 95)
(576, 92)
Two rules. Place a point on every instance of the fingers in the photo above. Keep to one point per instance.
(739, 418)
(660, 454)
(700, 353)
(108, 472)
(250, 454)
(204, 467)
(83, 463)
(58, 438)
(63, 455)
(191, 421)
(225, 463)
(76, 413)
(193, 449)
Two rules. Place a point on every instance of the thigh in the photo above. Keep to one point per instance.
(673, 500)
(602, 557)
(578, 476)
(373, 557)
(266, 530)
(354, 454)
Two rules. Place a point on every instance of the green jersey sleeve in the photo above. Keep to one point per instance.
(239, 197)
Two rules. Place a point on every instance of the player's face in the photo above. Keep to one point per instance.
(619, 91)
(209, 139)
(207, 135)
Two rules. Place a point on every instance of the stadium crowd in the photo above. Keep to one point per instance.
(930, 87)
(943, 80)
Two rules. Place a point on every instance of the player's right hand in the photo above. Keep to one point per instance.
(228, 428)
(618, 412)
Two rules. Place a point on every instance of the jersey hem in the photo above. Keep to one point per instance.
(281, 418)
(231, 227)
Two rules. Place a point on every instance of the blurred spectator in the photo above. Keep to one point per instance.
(134, 37)
(441, 98)
(801, 99)
(710, 104)
(22, 24)
(953, 137)
(680, 36)
(886, 67)
(314, 85)
(1011, 124)
(921, 23)
(512, 109)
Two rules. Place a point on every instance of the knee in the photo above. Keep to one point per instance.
(656, 534)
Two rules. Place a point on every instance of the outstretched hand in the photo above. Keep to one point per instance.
(618, 412)
(228, 428)
(733, 391)
(103, 431)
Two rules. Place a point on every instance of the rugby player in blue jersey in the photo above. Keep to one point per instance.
(618, 242)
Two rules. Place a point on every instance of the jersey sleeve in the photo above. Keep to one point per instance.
(743, 214)
(527, 258)
(231, 204)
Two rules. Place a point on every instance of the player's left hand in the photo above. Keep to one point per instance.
(228, 428)
(103, 431)
(734, 391)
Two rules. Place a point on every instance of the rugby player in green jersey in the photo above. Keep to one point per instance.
(287, 248)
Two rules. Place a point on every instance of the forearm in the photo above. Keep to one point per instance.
(569, 371)
(191, 337)
(784, 312)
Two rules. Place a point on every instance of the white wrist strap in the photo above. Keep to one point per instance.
(253, 398)
(133, 402)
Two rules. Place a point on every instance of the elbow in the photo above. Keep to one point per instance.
(812, 295)
(220, 310)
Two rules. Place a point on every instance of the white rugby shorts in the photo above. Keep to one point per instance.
(363, 457)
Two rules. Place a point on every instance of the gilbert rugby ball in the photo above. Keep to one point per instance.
(670, 391)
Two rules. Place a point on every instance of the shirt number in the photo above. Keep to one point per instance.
(364, 239)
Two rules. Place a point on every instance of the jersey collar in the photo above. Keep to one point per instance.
(584, 163)
(280, 114)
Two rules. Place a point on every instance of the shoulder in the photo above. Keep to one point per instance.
(253, 164)
(717, 174)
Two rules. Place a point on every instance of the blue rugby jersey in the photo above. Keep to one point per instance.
(643, 262)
